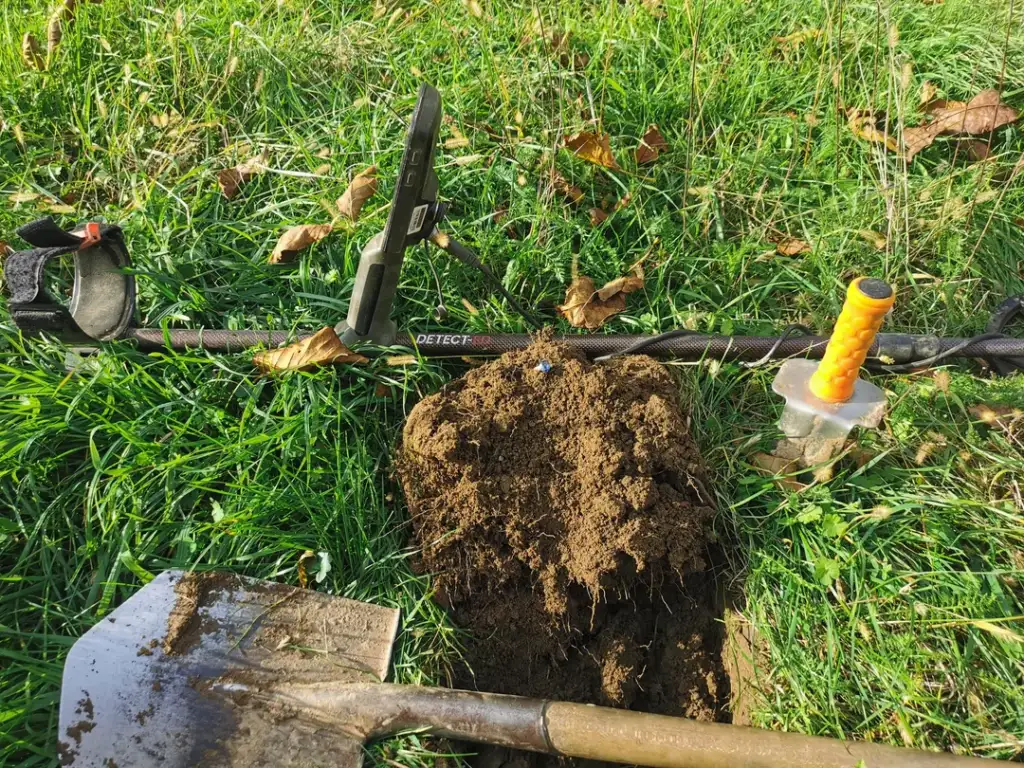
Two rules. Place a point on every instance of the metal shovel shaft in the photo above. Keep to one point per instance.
(368, 711)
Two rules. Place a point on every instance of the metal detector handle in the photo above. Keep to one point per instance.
(414, 211)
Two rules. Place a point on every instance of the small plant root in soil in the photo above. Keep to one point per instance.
(565, 520)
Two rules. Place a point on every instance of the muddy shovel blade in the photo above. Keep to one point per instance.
(138, 686)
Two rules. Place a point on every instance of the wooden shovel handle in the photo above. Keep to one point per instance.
(599, 733)
(370, 711)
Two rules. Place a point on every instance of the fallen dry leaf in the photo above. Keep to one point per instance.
(652, 144)
(586, 306)
(322, 348)
(5, 249)
(564, 187)
(876, 240)
(597, 216)
(928, 91)
(593, 147)
(978, 150)
(865, 126)
(791, 246)
(297, 238)
(779, 468)
(230, 180)
(361, 189)
(627, 284)
(24, 197)
(982, 114)
(30, 53)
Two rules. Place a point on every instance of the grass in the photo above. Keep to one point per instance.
(888, 599)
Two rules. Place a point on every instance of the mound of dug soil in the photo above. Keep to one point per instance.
(559, 505)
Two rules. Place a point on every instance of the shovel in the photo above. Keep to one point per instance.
(220, 670)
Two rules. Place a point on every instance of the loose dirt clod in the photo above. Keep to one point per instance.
(559, 505)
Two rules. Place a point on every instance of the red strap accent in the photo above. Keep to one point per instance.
(91, 236)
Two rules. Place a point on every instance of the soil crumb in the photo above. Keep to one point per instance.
(561, 507)
(76, 730)
(85, 707)
(185, 625)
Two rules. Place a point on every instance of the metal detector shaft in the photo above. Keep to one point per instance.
(891, 347)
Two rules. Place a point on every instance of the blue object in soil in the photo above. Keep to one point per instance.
(543, 366)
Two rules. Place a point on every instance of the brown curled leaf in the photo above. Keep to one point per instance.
(230, 180)
(362, 188)
(586, 306)
(296, 239)
(983, 114)
(652, 144)
(322, 348)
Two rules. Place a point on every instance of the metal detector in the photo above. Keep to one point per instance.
(102, 306)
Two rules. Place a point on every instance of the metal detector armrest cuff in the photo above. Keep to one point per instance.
(102, 303)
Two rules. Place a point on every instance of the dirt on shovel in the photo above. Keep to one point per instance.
(562, 509)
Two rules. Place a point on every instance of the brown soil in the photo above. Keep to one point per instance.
(565, 520)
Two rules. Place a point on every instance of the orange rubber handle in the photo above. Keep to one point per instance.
(867, 302)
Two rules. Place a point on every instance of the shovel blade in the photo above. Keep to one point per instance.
(138, 686)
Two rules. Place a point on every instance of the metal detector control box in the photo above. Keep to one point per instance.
(414, 213)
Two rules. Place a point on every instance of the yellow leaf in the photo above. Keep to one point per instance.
(876, 240)
(231, 180)
(322, 348)
(30, 53)
(297, 238)
(652, 144)
(593, 147)
(362, 188)
(586, 306)
(1001, 632)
